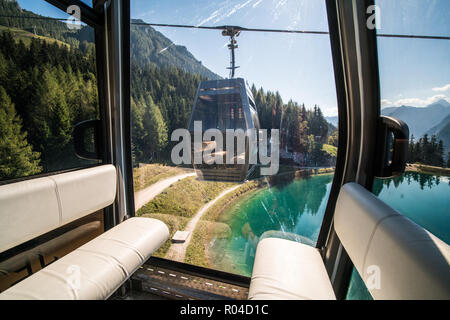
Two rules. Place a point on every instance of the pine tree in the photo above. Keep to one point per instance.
(156, 130)
(439, 154)
(137, 129)
(3, 69)
(300, 128)
(51, 128)
(17, 158)
(411, 150)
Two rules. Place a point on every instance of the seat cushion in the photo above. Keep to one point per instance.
(97, 269)
(34, 207)
(396, 258)
(288, 270)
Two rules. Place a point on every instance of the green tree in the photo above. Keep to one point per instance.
(3, 68)
(137, 130)
(411, 150)
(50, 128)
(333, 139)
(299, 129)
(17, 158)
(439, 154)
(156, 136)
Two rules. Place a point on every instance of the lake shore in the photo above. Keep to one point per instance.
(422, 168)
(215, 218)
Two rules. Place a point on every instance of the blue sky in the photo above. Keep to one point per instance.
(298, 66)
(413, 72)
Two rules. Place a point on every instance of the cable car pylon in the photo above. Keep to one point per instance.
(233, 33)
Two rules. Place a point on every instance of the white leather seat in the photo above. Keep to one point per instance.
(34, 207)
(411, 263)
(288, 270)
(98, 268)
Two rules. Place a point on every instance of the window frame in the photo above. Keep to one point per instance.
(355, 56)
(112, 37)
(95, 20)
(326, 239)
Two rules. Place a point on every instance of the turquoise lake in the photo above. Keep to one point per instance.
(297, 208)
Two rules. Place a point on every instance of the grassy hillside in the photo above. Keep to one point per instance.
(179, 203)
(26, 36)
(152, 173)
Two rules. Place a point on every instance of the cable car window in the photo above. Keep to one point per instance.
(415, 88)
(420, 96)
(48, 85)
(263, 101)
(220, 112)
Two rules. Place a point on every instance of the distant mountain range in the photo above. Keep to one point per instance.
(422, 120)
(333, 120)
(433, 119)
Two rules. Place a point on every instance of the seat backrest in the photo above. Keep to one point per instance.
(396, 258)
(31, 208)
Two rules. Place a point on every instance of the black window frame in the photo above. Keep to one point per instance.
(95, 20)
(355, 57)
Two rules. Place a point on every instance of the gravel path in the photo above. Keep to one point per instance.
(177, 251)
(141, 198)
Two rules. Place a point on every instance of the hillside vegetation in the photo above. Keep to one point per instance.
(49, 77)
(180, 202)
(25, 36)
(152, 173)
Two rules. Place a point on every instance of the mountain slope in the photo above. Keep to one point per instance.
(442, 132)
(420, 120)
(13, 16)
(333, 120)
(439, 127)
(149, 46)
(444, 135)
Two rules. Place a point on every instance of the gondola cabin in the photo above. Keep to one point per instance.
(223, 104)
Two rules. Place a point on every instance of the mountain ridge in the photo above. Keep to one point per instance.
(433, 119)
(420, 120)
(442, 132)
(148, 46)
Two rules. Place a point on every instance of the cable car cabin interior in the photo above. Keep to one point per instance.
(74, 232)
(223, 105)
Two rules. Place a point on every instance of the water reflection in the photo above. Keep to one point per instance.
(423, 198)
(294, 211)
(423, 180)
